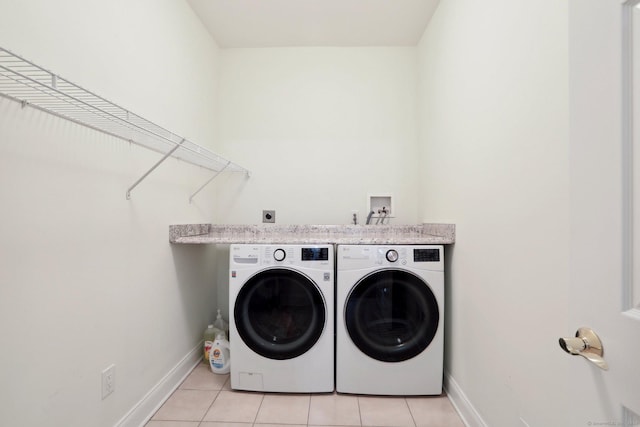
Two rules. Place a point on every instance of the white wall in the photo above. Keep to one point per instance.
(88, 278)
(320, 129)
(494, 141)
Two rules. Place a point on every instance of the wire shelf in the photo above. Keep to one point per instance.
(32, 85)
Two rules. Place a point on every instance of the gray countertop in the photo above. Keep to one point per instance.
(309, 234)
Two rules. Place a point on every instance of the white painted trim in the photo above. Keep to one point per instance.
(153, 400)
(628, 191)
(464, 407)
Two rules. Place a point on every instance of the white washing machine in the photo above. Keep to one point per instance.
(389, 319)
(281, 317)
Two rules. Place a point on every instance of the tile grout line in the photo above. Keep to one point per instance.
(255, 418)
(209, 407)
(413, 418)
(212, 402)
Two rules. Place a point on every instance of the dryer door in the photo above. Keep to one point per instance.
(391, 315)
(280, 313)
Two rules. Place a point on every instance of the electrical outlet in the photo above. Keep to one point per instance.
(108, 381)
(269, 216)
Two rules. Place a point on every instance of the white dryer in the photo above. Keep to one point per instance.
(389, 319)
(281, 317)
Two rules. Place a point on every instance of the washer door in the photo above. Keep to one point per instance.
(280, 313)
(391, 315)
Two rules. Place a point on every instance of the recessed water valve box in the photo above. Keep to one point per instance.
(380, 205)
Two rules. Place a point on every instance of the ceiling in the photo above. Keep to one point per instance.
(274, 23)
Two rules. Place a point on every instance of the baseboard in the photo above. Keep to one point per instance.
(151, 402)
(470, 417)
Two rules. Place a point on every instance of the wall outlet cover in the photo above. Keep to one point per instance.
(108, 381)
(269, 216)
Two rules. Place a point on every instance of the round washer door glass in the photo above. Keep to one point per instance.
(279, 313)
(391, 315)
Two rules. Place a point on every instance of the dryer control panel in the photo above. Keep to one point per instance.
(426, 257)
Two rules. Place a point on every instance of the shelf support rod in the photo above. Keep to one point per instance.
(210, 179)
(169, 153)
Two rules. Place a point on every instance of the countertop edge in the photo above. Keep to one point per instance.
(426, 233)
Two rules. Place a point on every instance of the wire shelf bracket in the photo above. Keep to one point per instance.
(31, 85)
(169, 153)
(207, 183)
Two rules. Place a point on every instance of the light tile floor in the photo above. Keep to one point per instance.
(205, 399)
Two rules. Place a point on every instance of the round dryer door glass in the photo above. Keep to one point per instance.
(279, 313)
(391, 315)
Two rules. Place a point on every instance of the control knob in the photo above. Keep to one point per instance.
(392, 255)
(279, 255)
